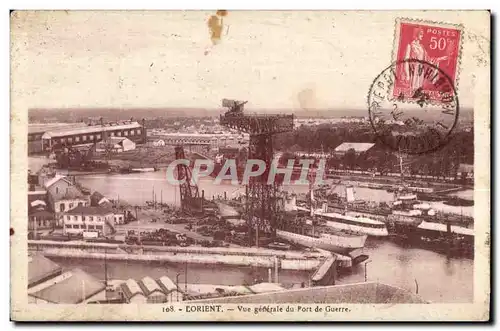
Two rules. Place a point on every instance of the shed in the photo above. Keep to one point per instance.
(357, 147)
(170, 289)
(133, 292)
(41, 269)
(73, 287)
(115, 144)
(152, 290)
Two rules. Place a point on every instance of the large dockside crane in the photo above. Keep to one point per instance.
(262, 200)
(191, 200)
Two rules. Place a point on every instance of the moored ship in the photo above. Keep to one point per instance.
(353, 224)
(341, 243)
(312, 232)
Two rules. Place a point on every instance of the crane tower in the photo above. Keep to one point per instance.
(262, 203)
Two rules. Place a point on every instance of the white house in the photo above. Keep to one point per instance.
(115, 144)
(158, 143)
(63, 195)
(82, 218)
(119, 217)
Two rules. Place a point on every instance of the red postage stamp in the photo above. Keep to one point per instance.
(423, 49)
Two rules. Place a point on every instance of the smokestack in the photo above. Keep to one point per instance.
(143, 131)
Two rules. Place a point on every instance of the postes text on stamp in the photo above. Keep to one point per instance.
(438, 44)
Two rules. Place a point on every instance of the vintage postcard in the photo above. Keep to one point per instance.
(250, 165)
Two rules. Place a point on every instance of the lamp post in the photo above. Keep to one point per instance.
(177, 284)
(366, 276)
(186, 278)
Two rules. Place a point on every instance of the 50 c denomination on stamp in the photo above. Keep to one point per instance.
(413, 104)
(438, 44)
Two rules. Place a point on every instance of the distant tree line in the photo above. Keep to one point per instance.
(443, 162)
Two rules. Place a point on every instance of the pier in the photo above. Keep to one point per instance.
(326, 272)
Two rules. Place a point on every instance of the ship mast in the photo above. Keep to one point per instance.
(311, 198)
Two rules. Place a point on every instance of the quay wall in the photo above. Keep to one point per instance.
(234, 260)
(227, 256)
(247, 251)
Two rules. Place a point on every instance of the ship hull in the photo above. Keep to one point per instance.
(329, 242)
(374, 232)
(362, 225)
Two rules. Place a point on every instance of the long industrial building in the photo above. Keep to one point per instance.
(78, 135)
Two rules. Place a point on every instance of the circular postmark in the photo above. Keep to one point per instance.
(413, 107)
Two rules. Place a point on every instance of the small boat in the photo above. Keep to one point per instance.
(142, 169)
(429, 197)
(443, 228)
(456, 201)
(279, 246)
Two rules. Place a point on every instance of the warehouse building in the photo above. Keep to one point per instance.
(93, 134)
(358, 148)
(49, 283)
(36, 131)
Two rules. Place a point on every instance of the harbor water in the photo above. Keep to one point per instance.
(433, 275)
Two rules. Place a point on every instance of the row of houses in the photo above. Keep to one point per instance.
(149, 290)
(163, 289)
(57, 201)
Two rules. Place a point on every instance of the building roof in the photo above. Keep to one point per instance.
(148, 286)
(96, 197)
(115, 141)
(54, 180)
(72, 192)
(38, 203)
(463, 167)
(44, 127)
(90, 129)
(166, 284)
(75, 287)
(358, 147)
(89, 210)
(38, 192)
(41, 268)
(40, 213)
(130, 289)
(227, 211)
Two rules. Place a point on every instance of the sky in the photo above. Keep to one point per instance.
(275, 59)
